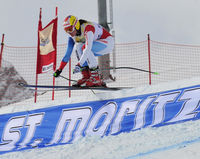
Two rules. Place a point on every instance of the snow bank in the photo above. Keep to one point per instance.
(172, 141)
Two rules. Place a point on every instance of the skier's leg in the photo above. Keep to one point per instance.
(99, 48)
(103, 46)
(85, 69)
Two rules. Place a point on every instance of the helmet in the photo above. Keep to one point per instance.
(70, 23)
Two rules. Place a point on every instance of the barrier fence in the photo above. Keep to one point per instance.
(171, 61)
(66, 123)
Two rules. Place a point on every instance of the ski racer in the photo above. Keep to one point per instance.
(90, 40)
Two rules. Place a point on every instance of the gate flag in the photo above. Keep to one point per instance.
(47, 46)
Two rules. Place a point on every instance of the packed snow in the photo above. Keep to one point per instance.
(172, 141)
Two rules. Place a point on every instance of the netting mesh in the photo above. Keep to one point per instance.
(172, 61)
(131, 55)
(23, 59)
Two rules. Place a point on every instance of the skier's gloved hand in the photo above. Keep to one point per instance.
(77, 69)
(57, 73)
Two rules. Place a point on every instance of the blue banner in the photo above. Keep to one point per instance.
(65, 124)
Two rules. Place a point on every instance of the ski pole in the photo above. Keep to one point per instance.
(131, 68)
(67, 78)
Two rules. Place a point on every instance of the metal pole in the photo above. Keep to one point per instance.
(36, 78)
(102, 14)
(104, 61)
(2, 46)
(113, 32)
(149, 56)
(53, 92)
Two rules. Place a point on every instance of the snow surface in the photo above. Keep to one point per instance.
(172, 141)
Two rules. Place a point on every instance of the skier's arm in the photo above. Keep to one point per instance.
(66, 58)
(68, 53)
(89, 36)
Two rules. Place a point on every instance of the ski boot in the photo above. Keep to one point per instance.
(95, 79)
(85, 76)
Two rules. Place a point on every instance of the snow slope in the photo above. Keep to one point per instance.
(176, 141)
(172, 141)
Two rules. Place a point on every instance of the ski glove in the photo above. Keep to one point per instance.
(77, 69)
(57, 73)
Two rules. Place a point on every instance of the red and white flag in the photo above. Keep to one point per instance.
(47, 46)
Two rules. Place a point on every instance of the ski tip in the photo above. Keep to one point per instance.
(21, 84)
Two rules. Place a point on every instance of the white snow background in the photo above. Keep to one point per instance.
(173, 141)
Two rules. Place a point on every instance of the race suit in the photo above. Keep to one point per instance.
(92, 40)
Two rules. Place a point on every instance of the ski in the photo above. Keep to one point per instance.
(71, 87)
